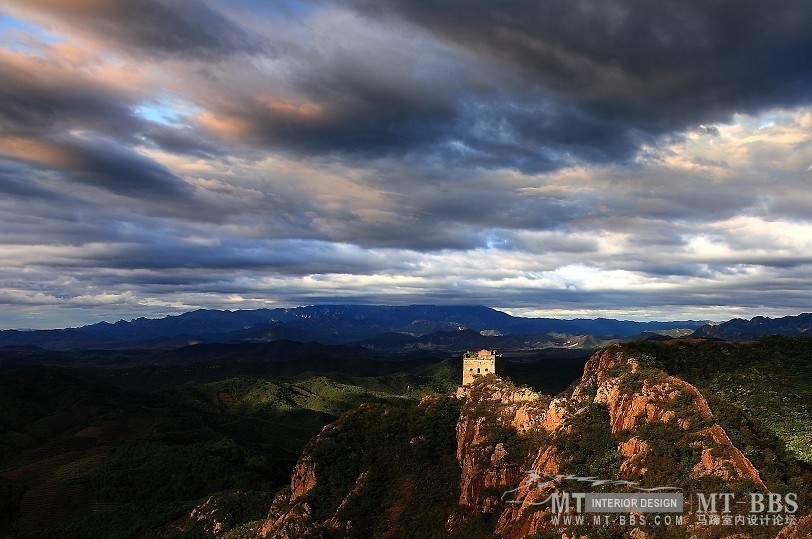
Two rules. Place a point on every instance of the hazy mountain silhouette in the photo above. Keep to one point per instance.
(329, 324)
(739, 329)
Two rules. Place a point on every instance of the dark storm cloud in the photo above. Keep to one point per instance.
(346, 91)
(181, 140)
(616, 73)
(58, 118)
(38, 97)
(360, 121)
(533, 86)
(538, 134)
(689, 51)
(170, 265)
(16, 181)
(182, 28)
(106, 165)
(42, 98)
(470, 116)
(119, 170)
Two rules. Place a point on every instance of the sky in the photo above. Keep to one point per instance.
(569, 158)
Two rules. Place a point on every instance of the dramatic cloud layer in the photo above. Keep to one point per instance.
(621, 158)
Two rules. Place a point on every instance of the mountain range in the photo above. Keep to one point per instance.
(739, 329)
(375, 326)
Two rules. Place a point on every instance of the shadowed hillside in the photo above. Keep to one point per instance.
(770, 379)
(84, 456)
(191, 449)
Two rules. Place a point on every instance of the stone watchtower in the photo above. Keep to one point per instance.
(479, 364)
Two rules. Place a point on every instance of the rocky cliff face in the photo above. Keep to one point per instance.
(624, 421)
(642, 404)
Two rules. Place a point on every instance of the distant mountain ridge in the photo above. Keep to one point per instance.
(329, 324)
(739, 329)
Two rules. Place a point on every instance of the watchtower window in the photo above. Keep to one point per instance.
(471, 369)
(486, 370)
(477, 371)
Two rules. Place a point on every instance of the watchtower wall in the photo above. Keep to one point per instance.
(479, 364)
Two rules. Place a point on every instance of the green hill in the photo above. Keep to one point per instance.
(769, 379)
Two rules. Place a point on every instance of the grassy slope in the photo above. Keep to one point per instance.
(770, 380)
